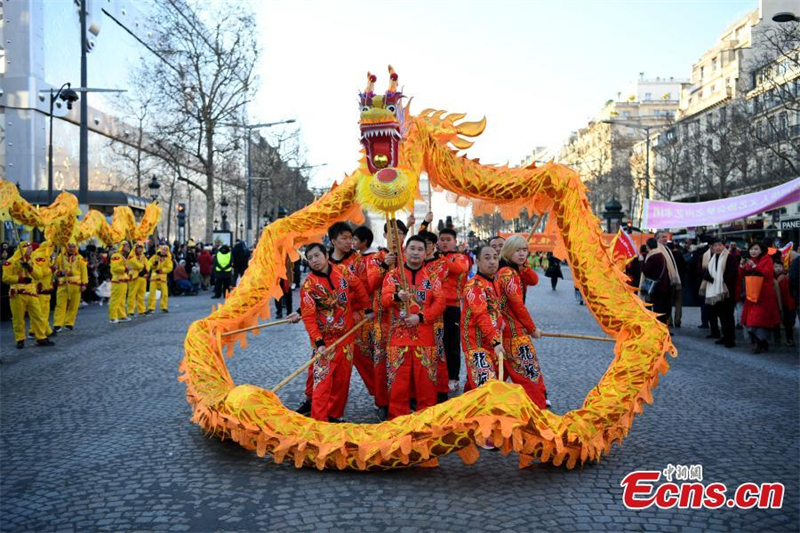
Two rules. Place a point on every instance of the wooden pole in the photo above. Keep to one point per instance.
(400, 259)
(313, 360)
(257, 326)
(584, 337)
(500, 375)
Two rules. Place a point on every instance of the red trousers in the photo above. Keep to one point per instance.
(481, 367)
(330, 384)
(442, 379)
(362, 356)
(411, 372)
(522, 366)
(379, 364)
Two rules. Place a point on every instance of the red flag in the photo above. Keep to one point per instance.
(624, 246)
(785, 254)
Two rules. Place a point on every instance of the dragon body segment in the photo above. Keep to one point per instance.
(398, 147)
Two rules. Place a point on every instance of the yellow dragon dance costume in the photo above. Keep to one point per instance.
(397, 147)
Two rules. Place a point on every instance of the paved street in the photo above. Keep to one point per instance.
(96, 437)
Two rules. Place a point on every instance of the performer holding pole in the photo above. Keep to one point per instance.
(382, 263)
(342, 254)
(329, 298)
(119, 283)
(22, 274)
(482, 323)
(159, 266)
(411, 357)
(72, 276)
(457, 268)
(513, 277)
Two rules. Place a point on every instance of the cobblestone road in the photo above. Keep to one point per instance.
(95, 436)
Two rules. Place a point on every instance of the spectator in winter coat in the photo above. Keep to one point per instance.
(204, 261)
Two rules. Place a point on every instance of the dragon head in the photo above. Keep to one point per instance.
(380, 123)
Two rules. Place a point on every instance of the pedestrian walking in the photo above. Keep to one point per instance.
(553, 270)
(655, 282)
(760, 313)
(721, 276)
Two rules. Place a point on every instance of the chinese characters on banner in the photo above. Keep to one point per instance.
(658, 214)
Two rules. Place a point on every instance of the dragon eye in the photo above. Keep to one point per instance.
(391, 108)
(365, 108)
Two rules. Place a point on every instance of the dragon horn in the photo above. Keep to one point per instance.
(371, 79)
(392, 80)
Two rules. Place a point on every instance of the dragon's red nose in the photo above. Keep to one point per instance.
(387, 175)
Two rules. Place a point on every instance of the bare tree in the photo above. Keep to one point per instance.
(203, 76)
(773, 70)
(136, 111)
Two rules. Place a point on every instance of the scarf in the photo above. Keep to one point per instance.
(672, 267)
(716, 291)
(706, 259)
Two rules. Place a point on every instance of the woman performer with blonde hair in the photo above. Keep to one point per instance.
(512, 280)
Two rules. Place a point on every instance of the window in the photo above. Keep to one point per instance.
(783, 123)
(702, 70)
(714, 64)
(647, 96)
(714, 88)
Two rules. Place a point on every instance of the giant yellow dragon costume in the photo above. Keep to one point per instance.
(60, 223)
(399, 146)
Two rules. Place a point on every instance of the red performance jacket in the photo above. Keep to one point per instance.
(511, 282)
(328, 301)
(355, 264)
(457, 268)
(481, 319)
(427, 301)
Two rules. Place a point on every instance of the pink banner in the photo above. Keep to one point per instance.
(662, 215)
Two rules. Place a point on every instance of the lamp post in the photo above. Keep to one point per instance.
(248, 128)
(613, 212)
(223, 203)
(69, 96)
(154, 186)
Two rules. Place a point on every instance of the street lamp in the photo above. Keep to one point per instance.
(613, 212)
(785, 16)
(154, 186)
(249, 195)
(69, 96)
(223, 203)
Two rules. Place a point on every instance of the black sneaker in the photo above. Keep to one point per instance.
(44, 342)
(165, 310)
(20, 345)
(305, 407)
(333, 420)
(719, 341)
(148, 312)
(57, 329)
(31, 335)
(441, 397)
(70, 327)
(383, 413)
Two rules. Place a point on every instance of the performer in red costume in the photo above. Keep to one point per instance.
(380, 265)
(457, 268)
(435, 262)
(343, 254)
(512, 279)
(414, 299)
(481, 322)
(329, 299)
